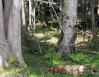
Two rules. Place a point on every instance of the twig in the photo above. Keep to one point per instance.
(56, 16)
(47, 2)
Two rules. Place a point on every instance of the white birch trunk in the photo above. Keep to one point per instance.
(23, 13)
(70, 10)
(98, 8)
(30, 12)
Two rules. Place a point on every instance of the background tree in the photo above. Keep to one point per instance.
(67, 42)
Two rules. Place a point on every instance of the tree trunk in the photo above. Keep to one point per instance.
(3, 42)
(10, 31)
(67, 41)
(33, 15)
(23, 12)
(14, 31)
(30, 12)
(98, 9)
(93, 20)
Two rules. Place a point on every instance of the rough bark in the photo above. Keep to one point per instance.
(66, 43)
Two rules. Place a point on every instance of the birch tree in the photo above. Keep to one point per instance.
(23, 13)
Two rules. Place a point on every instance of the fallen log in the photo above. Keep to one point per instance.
(74, 69)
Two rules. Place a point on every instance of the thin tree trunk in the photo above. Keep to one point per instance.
(30, 12)
(67, 42)
(23, 13)
(34, 19)
(98, 8)
(93, 19)
(33, 16)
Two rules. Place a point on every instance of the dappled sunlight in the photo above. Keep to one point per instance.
(53, 40)
(39, 35)
(31, 75)
(82, 39)
(50, 37)
(13, 71)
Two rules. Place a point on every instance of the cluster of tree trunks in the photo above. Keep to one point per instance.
(67, 42)
(10, 31)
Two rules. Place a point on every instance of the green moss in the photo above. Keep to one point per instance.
(11, 59)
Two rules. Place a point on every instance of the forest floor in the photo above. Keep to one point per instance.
(40, 63)
(40, 66)
(46, 62)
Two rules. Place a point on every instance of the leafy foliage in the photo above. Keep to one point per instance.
(52, 57)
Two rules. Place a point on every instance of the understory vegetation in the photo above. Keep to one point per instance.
(40, 66)
(41, 63)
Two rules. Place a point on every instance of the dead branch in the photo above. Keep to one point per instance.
(93, 52)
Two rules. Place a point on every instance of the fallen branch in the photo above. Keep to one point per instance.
(93, 52)
(75, 69)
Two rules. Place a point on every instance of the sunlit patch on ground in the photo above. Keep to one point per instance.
(50, 36)
(82, 39)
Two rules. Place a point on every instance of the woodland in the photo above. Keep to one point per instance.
(49, 38)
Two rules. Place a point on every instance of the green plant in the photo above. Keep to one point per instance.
(52, 57)
(11, 59)
(78, 57)
(95, 63)
(92, 46)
